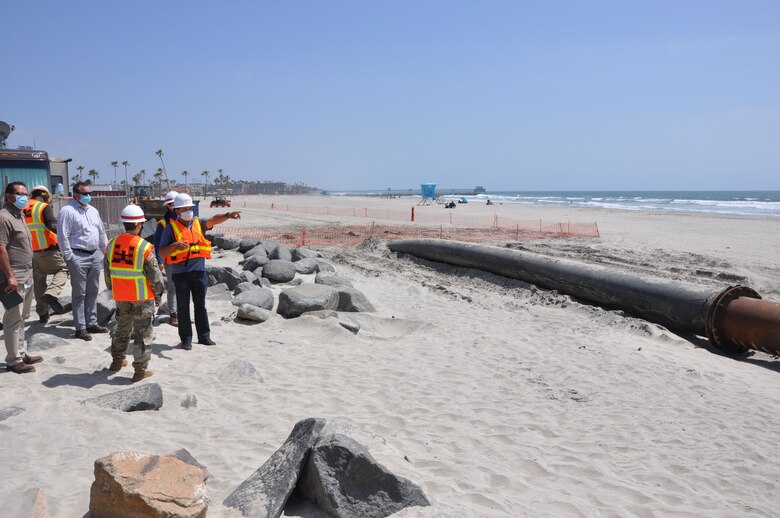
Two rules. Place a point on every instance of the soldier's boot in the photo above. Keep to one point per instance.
(174, 319)
(141, 374)
(117, 364)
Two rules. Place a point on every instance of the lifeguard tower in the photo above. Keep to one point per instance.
(428, 192)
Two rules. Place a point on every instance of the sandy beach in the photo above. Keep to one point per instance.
(495, 397)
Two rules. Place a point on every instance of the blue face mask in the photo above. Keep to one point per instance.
(85, 199)
(20, 202)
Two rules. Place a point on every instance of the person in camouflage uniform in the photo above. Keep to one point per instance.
(133, 276)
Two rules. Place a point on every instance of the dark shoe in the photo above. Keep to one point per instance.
(53, 303)
(20, 368)
(84, 335)
(117, 365)
(44, 319)
(29, 360)
(207, 341)
(187, 346)
(174, 319)
(141, 374)
(97, 329)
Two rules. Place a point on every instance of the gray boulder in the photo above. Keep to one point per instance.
(244, 286)
(279, 270)
(106, 307)
(219, 292)
(257, 250)
(147, 396)
(353, 300)
(307, 297)
(259, 297)
(352, 327)
(280, 252)
(330, 279)
(266, 491)
(224, 274)
(306, 265)
(230, 243)
(247, 244)
(240, 370)
(254, 262)
(325, 266)
(344, 480)
(250, 312)
(43, 341)
(304, 253)
(10, 411)
(214, 237)
(295, 282)
(264, 283)
(247, 276)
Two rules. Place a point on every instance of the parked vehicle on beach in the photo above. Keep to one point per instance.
(220, 201)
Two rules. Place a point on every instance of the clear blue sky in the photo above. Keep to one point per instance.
(546, 95)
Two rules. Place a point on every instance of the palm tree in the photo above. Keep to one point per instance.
(114, 164)
(94, 174)
(137, 179)
(206, 174)
(160, 154)
(80, 175)
(185, 174)
(142, 172)
(126, 163)
(158, 176)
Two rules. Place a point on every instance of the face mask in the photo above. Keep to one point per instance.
(85, 199)
(187, 215)
(20, 202)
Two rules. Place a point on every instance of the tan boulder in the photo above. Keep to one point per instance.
(134, 485)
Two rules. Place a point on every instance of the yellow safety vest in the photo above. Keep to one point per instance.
(200, 247)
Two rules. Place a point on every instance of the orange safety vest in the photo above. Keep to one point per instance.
(126, 254)
(200, 247)
(42, 237)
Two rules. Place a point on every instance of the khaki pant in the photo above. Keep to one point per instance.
(45, 263)
(13, 327)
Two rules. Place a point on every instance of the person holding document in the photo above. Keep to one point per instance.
(16, 291)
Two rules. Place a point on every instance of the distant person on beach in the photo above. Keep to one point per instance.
(47, 258)
(16, 278)
(184, 243)
(136, 284)
(164, 262)
(489, 202)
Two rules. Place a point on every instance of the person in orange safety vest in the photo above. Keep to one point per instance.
(135, 281)
(47, 258)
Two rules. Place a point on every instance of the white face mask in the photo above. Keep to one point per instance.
(187, 215)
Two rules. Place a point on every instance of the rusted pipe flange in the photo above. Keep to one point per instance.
(715, 311)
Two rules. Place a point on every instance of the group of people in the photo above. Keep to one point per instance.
(34, 244)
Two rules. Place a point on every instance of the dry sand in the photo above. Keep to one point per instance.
(497, 398)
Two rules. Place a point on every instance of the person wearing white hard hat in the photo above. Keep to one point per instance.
(164, 262)
(47, 258)
(135, 281)
(184, 243)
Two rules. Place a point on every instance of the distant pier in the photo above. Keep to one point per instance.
(412, 192)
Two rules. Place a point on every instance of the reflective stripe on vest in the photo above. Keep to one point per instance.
(200, 247)
(42, 237)
(126, 254)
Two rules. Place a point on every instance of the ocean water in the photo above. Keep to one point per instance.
(750, 203)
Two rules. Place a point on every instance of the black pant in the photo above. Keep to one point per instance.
(195, 283)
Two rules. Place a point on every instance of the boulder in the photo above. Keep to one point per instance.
(352, 327)
(325, 266)
(279, 270)
(307, 265)
(250, 312)
(247, 244)
(10, 411)
(230, 243)
(295, 282)
(280, 252)
(353, 300)
(304, 253)
(259, 297)
(343, 479)
(133, 484)
(215, 238)
(42, 342)
(258, 272)
(218, 292)
(240, 370)
(191, 401)
(224, 274)
(244, 286)
(307, 297)
(106, 307)
(66, 301)
(39, 507)
(264, 283)
(147, 396)
(266, 491)
(258, 250)
(330, 279)
(186, 457)
(255, 261)
(246, 276)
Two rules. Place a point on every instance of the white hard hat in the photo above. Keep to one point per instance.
(170, 197)
(132, 214)
(183, 200)
(40, 188)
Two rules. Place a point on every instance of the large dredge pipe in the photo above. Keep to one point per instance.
(735, 319)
